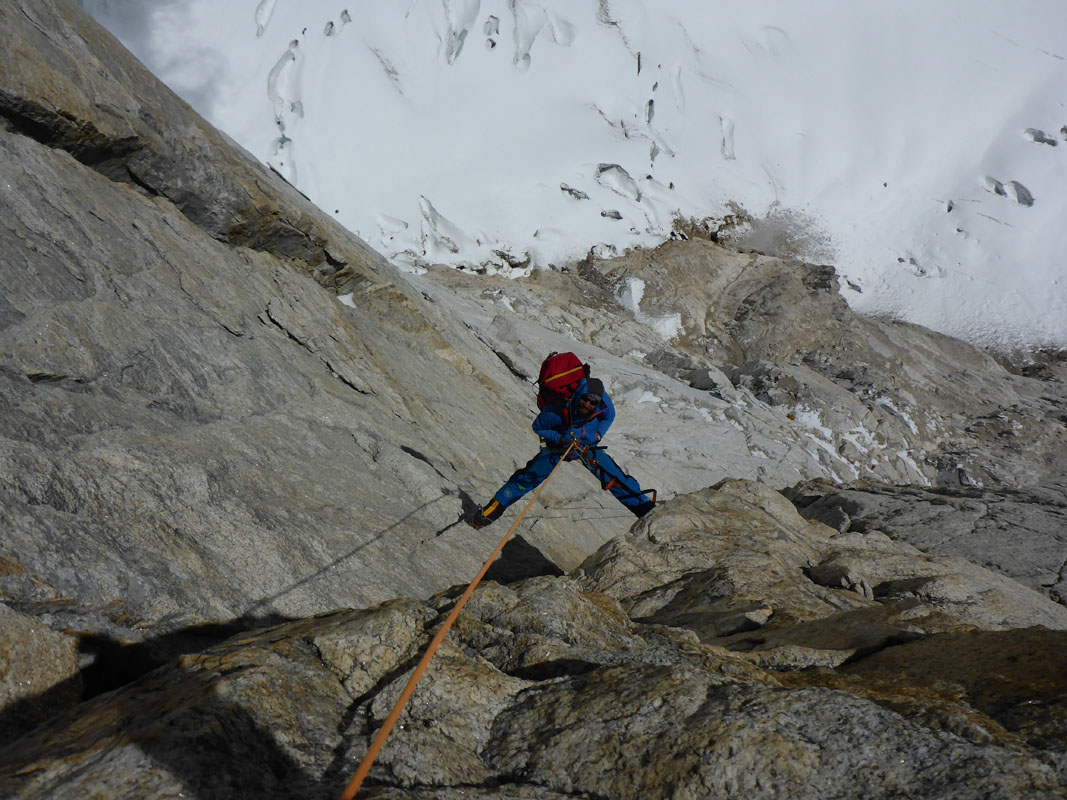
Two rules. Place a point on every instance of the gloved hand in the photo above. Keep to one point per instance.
(562, 446)
(576, 449)
(557, 447)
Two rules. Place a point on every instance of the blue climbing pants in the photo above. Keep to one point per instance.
(624, 487)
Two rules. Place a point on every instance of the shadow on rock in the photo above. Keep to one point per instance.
(520, 560)
(255, 716)
(115, 664)
(22, 716)
(110, 664)
(179, 730)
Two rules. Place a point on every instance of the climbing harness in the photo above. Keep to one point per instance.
(607, 482)
(390, 721)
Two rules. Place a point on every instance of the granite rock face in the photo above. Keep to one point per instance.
(782, 330)
(71, 86)
(39, 673)
(549, 688)
(793, 593)
(1020, 533)
(194, 429)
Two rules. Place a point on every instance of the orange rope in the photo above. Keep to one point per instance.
(394, 715)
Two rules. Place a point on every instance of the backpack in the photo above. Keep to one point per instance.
(560, 375)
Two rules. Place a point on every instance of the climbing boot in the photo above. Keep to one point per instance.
(643, 508)
(486, 516)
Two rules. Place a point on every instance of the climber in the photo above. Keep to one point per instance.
(579, 412)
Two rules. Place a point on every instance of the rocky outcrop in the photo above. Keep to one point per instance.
(785, 378)
(792, 593)
(551, 688)
(1020, 533)
(878, 388)
(68, 84)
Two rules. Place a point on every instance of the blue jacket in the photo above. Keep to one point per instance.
(559, 422)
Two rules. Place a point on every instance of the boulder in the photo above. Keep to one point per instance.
(1021, 533)
(739, 566)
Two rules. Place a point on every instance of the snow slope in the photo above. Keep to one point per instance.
(920, 147)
